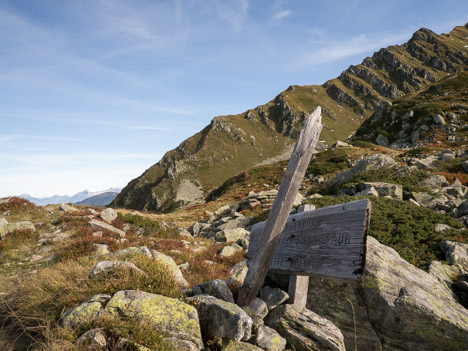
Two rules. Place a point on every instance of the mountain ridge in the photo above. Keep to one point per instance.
(232, 144)
(58, 199)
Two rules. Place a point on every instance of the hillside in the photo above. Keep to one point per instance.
(100, 200)
(232, 144)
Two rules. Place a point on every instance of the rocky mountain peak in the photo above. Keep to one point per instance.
(235, 143)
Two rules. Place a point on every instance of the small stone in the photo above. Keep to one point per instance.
(94, 339)
(101, 249)
(109, 215)
(67, 208)
(440, 228)
(438, 119)
(239, 271)
(228, 251)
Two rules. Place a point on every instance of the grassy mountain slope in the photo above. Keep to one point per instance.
(232, 144)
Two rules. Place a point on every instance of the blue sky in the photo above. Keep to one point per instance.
(93, 92)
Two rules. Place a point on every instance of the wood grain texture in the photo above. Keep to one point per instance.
(289, 187)
(298, 287)
(329, 241)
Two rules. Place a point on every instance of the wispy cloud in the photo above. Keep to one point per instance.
(326, 51)
(281, 14)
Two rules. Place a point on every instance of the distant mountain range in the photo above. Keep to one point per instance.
(78, 197)
(101, 200)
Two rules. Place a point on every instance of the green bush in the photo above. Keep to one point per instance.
(329, 162)
(408, 229)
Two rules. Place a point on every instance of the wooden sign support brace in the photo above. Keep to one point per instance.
(279, 213)
(299, 284)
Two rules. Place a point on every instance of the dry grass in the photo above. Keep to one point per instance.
(32, 305)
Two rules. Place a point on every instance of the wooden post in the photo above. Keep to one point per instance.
(299, 284)
(298, 288)
(279, 213)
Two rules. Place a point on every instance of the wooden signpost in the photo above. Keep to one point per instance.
(329, 241)
(288, 189)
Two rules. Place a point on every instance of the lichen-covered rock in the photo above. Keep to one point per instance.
(409, 308)
(222, 319)
(108, 215)
(259, 307)
(269, 339)
(239, 271)
(171, 265)
(218, 289)
(142, 250)
(304, 329)
(24, 225)
(86, 312)
(455, 253)
(232, 345)
(105, 268)
(168, 316)
(229, 251)
(273, 297)
(94, 339)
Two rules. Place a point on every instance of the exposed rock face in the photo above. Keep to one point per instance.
(233, 144)
(397, 306)
(371, 163)
(405, 302)
(304, 329)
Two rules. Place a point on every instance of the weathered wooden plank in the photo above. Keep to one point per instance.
(289, 187)
(329, 241)
(298, 287)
